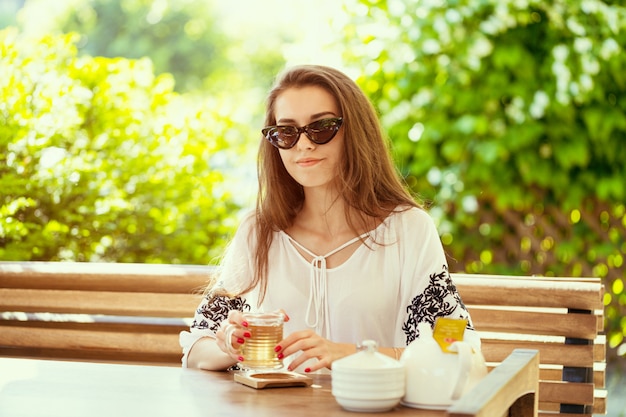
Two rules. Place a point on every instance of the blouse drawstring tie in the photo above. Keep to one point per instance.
(317, 313)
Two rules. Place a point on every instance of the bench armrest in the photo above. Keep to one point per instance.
(511, 385)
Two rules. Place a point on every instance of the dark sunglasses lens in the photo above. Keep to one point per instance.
(324, 130)
(281, 136)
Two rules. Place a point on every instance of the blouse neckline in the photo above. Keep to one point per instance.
(317, 312)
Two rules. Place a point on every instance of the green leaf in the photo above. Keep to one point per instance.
(571, 153)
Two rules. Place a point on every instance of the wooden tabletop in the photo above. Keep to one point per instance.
(46, 388)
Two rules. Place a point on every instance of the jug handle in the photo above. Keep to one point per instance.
(465, 362)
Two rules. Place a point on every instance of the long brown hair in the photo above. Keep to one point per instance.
(367, 178)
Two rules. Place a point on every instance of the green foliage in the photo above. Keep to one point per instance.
(101, 155)
(180, 37)
(186, 38)
(101, 160)
(499, 107)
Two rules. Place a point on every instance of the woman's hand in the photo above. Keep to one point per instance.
(312, 345)
(236, 324)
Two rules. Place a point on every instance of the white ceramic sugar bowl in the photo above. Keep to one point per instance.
(368, 381)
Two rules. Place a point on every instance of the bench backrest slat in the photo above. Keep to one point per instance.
(532, 322)
(170, 279)
(98, 302)
(532, 292)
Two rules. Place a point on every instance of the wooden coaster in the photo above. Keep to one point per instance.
(260, 380)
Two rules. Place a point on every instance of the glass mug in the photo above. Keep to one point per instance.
(266, 331)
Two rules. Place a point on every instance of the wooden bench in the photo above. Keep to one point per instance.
(134, 313)
(95, 311)
(562, 318)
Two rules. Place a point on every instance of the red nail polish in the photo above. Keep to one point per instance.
(244, 323)
(280, 356)
(247, 334)
(307, 370)
(240, 359)
(240, 341)
(277, 348)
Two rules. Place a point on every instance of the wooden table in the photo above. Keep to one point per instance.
(42, 388)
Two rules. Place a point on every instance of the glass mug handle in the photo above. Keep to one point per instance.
(230, 329)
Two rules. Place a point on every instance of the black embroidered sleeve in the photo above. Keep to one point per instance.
(439, 299)
(215, 309)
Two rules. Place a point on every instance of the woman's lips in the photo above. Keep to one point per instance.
(307, 162)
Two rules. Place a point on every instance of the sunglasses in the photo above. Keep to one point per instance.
(319, 132)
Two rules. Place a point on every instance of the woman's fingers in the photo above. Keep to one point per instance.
(321, 360)
(235, 317)
(310, 345)
(313, 346)
(232, 333)
(284, 313)
(296, 341)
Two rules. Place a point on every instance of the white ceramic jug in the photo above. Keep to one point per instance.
(435, 378)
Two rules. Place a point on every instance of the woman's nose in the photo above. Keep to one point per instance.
(305, 142)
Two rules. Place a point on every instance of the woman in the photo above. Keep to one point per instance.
(336, 241)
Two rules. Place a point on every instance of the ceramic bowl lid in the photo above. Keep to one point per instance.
(368, 359)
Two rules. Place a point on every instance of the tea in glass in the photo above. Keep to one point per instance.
(266, 331)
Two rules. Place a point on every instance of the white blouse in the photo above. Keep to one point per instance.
(394, 281)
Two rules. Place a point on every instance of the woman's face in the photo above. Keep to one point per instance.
(311, 165)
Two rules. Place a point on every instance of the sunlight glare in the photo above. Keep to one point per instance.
(303, 30)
